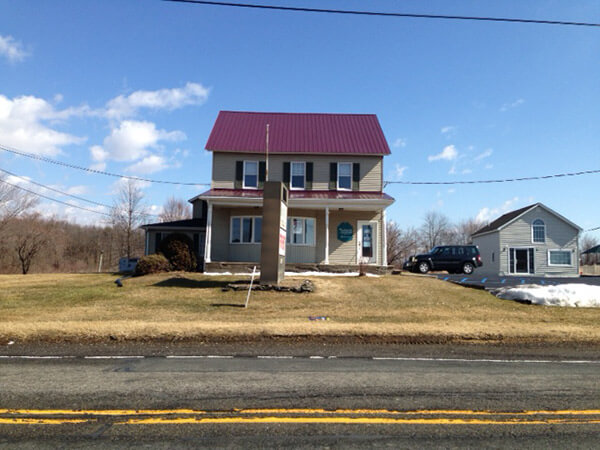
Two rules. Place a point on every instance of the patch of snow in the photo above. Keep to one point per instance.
(294, 274)
(569, 295)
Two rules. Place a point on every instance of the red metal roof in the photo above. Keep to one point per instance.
(333, 195)
(237, 131)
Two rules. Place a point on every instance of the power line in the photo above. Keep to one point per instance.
(502, 180)
(54, 199)
(390, 14)
(99, 172)
(55, 190)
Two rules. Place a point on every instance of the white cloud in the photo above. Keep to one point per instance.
(511, 105)
(488, 166)
(23, 125)
(466, 171)
(11, 49)
(132, 140)
(448, 129)
(485, 154)
(77, 190)
(399, 170)
(487, 214)
(398, 143)
(169, 99)
(150, 164)
(449, 153)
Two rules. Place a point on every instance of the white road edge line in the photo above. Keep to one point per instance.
(35, 357)
(274, 357)
(510, 361)
(114, 357)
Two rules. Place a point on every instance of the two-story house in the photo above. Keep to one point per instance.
(332, 165)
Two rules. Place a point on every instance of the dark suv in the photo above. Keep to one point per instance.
(453, 258)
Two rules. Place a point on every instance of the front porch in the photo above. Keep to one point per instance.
(324, 227)
(246, 268)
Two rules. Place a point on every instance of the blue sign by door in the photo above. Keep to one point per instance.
(344, 232)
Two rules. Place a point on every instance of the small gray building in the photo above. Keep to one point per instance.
(534, 240)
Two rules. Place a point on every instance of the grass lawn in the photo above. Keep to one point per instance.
(182, 306)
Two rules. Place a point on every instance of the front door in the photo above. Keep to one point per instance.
(367, 242)
(521, 261)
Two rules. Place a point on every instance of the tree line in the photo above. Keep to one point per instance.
(33, 243)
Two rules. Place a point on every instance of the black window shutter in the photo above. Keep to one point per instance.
(239, 174)
(355, 176)
(309, 175)
(262, 172)
(333, 176)
(286, 172)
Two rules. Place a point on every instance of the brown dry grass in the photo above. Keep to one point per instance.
(187, 306)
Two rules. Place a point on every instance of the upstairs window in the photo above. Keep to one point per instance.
(538, 231)
(298, 172)
(251, 174)
(344, 176)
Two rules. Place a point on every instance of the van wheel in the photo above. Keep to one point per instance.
(468, 268)
(423, 267)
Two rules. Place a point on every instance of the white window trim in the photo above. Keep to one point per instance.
(292, 176)
(241, 229)
(338, 176)
(532, 236)
(244, 174)
(314, 229)
(569, 251)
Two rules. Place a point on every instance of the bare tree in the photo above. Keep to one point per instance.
(13, 201)
(465, 229)
(175, 209)
(586, 242)
(128, 213)
(28, 240)
(400, 243)
(435, 229)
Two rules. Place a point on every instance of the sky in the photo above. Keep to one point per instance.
(134, 86)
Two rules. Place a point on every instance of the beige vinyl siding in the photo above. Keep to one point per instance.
(371, 168)
(489, 244)
(346, 252)
(559, 236)
(219, 250)
(339, 252)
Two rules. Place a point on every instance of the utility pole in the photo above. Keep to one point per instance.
(267, 155)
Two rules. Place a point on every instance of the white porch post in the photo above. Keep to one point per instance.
(384, 239)
(208, 236)
(327, 235)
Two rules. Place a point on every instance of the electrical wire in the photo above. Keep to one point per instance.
(500, 180)
(54, 199)
(55, 190)
(389, 14)
(99, 172)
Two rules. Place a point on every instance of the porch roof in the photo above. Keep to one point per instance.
(346, 199)
(183, 224)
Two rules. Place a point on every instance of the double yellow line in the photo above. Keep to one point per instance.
(297, 416)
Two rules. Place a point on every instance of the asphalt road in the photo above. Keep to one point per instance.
(299, 402)
(494, 281)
